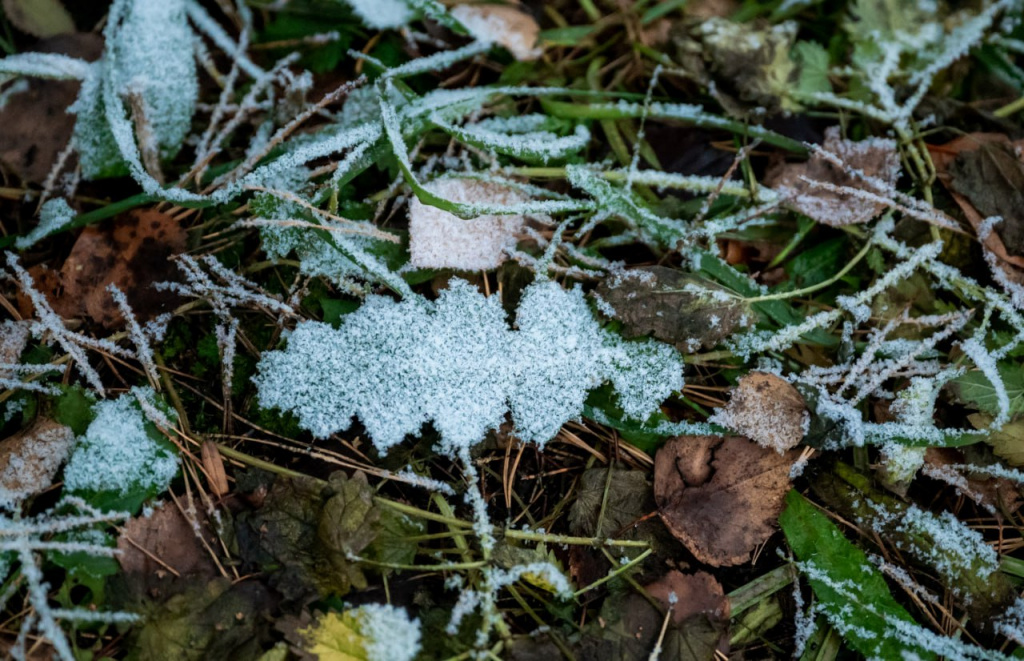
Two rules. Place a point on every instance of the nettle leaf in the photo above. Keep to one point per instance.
(122, 459)
(852, 593)
(455, 362)
(974, 389)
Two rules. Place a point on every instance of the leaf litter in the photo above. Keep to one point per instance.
(427, 356)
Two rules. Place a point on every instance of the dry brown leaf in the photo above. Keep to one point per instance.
(13, 341)
(996, 492)
(213, 466)
(506, 26)
(767, 409)
(944, 157)
(651, 300)
(164, 542)
(876, 157)
(30, 459)
(724, 518)
(695, 594)
(36, 124)
(132, 253)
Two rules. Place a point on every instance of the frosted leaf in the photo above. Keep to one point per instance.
(54, 215)
(43, 65)
(438, 239)
(30, 458)
(397, 365)
(506, 26)
(156, 65)
(117, 454)
(391, 634)
(382, 14)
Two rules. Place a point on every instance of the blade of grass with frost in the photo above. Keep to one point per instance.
(851, 592)
(455, 362)
(44, 65)
(522, 137)
(658, 110)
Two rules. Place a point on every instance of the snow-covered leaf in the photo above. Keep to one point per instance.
(455, 362)
(372, 632)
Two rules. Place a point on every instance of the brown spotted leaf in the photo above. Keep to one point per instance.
(36, 124)
(132, 253)
(653, 300)
(766, 409)
(722, 519)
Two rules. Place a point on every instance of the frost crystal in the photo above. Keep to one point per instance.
(54, 215)
(116, 454)
(438, 239)
(455, 362)
(382, 14)
(390, 634)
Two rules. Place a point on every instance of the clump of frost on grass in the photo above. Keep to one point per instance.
(439, 239)
(382, 14)
(391, 635)
(54, 215)
(454, 361)
(117, 454)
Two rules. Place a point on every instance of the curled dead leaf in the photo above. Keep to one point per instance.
(720, 519)
(825, 188)
(30, 459)
(766, 409)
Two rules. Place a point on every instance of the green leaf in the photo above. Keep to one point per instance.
(974, 389)
(567, 36)
(393, 544)
(813, 60)
(336, 308)
(39, 18)
(852, 592)
(73, 407)
(817, 264)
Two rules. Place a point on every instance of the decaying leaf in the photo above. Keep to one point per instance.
(629, 626)
(438, 239)
(721, 519)
(30, 459)
(505, 25)
(768, 410)
(132, 253)
(815, 188)
(36, 124)
(1007, 443)
(39, 18)
(985, 176)
(691, 594)
(372, 632)
(947, 465)
(671, 306)
(305, 533)
(165, 541)
(213, 619)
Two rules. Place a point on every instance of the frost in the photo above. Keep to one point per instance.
(382, 14)
(117, 454)
(54, 215)
(438, 239)
(455, 362)
(390, 634)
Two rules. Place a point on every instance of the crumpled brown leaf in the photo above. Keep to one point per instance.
(811, 188)
(30, 459)
(651, 300)
(723, 513)
(691, 594)
(132, 253)
(945, 464)
(766, 409)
